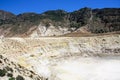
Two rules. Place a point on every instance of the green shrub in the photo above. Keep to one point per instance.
(19, 78)
(2, 72)
(10, 75)
(12, 78)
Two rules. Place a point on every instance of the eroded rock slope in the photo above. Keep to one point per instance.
(10, 70)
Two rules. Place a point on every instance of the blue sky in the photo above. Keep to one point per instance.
(39, 6)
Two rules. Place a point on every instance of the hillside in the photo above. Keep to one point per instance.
(60, 22)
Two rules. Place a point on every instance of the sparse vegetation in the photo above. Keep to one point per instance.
(8, 68)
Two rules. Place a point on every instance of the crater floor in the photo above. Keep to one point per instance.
(66, 58)
(87, 69)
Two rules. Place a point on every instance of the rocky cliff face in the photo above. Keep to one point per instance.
(59, 22)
